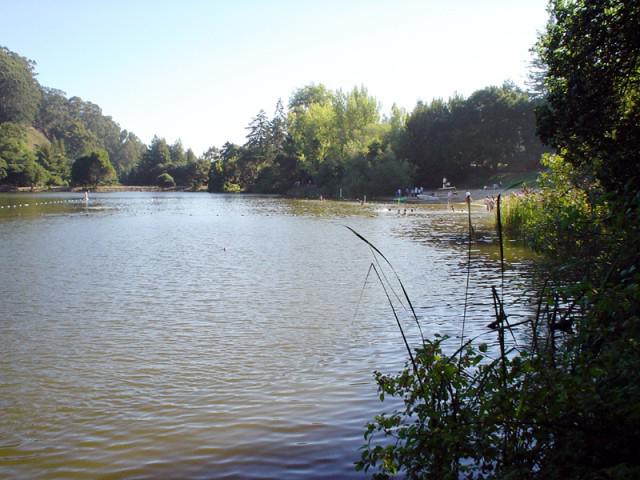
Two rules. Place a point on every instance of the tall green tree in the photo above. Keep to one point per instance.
(128, 153)
(53, 114)
(155, 161)
(259, 134)
(232, 176)
(591, 50)
(177, 153)
(313, 130)
(93, 169)
(261, 159)
(463, 139)
(356, 115)
(19, 90)
(278, 126)
(216, 178)
(77, 139)
(311, 123)
(396, 135)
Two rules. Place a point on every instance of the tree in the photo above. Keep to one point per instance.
(492, 130)
(591, 51)
(216, 177)
(78, 141)
(396, 136)
(432, 146)
(226, 169)
(312, 126)
(54, 160)
(128, 154)
(306, 96)
(83, 127)
(356, 112)
(278, 127)
(53, 113)
(17, 160)
(93, 169)
(177, 153)
(259, 134)
(155, 160)
(314, 133)
(19, 90)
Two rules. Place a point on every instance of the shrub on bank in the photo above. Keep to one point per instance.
(563, 404)
(165, 180)
(563, 213)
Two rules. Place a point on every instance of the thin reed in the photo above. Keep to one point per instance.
(472, 414)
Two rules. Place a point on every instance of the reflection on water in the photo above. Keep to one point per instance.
(159, 335)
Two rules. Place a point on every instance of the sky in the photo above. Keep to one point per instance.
(200, 70)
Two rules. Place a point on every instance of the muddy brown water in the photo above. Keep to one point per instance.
(178, 335)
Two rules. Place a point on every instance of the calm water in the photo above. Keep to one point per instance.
(208, 336)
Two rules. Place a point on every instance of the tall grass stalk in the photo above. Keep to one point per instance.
(517, 213)
(467, 412)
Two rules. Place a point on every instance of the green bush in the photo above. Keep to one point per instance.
(562, 215)
(230, 187)
(164, 180)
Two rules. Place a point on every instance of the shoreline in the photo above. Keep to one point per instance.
(477, 194)
(99, 189)
(459, 197)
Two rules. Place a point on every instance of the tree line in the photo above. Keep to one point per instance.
(335, 141)
(321, 143)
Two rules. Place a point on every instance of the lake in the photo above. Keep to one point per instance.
(191, 335)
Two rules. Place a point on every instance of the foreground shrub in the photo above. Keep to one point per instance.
(564, 405)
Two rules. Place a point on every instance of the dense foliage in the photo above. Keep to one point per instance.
(18, 165)
(565, 404)
(93, 169)
(44, 133)
(19, 90)
(475, 137)
(592, 53)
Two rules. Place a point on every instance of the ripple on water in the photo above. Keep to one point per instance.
(205, 336)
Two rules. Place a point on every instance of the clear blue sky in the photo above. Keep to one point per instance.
(200, 70)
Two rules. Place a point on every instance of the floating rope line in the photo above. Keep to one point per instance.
(52, 202)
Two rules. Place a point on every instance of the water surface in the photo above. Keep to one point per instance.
(160, 335)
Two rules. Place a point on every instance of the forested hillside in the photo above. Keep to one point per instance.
(43, 133)
(322, 142)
